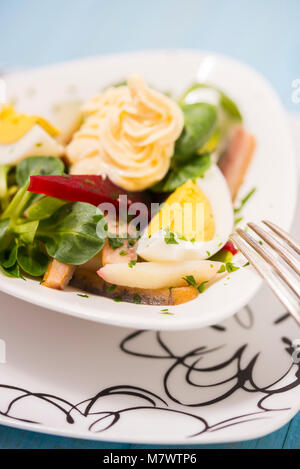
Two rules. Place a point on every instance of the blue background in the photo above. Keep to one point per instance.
(263, 33)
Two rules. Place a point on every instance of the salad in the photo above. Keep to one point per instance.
(129, 196)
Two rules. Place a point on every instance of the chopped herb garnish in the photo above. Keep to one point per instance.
(131, 242)
(89, 181)
(192, 240)
(115, 243)
(117, 299)
(123, 253)
(114, 196)
(111, 287)
(82, 296)
(190, 280)
(221, 269)
(260, 242)
(230, 267)
(208, 253)
(166, 309)
(211, 266)
(38, 144)
(245, 200)
(170, 237)
(246, 265)
(131, 264)
(137, 299)
(168, 313)
(181, 237)
(201, 287)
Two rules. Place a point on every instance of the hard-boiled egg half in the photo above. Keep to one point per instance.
(22, 135)
(194, 222)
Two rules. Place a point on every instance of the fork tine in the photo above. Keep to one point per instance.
(277, 265)
(284, 235)
(277, 245)
(266, 272)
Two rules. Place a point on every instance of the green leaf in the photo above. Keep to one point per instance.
(44, 208)
(32, 259)
(26, 231)
(222, 256)
(226, 102)
(70, 234)
(8, 257)
(230, 107)
(38, 165)
(4, 224)
(17, 204)
(200, 120)
(196, 167)
(13, 271)
(4, 194)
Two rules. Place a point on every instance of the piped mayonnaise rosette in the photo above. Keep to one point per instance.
(128, 134)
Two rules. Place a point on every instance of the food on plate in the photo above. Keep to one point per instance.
(198, 234)
(235, 161)
(91, 282)
(91, 189)
(129, 133)
(67, 117)
(58, 275)
(22, 135)
(133, 200)
(124, 253)
(159, 274)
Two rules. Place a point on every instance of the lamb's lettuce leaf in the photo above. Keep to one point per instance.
(180, 173)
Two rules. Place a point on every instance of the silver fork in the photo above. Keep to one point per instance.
(281, 271)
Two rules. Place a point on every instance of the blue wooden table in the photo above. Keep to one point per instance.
(264, 34)
(288, 437)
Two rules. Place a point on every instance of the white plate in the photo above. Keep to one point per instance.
(272, 172)
(76, 378)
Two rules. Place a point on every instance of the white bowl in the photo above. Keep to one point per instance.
(273, 171)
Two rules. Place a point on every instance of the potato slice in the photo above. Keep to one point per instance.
(91, 282)
(153, 275)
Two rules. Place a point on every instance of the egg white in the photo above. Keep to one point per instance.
(36, 142)
(215, 187)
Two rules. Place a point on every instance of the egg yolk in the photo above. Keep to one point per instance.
(14, 126)
(188, 213)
